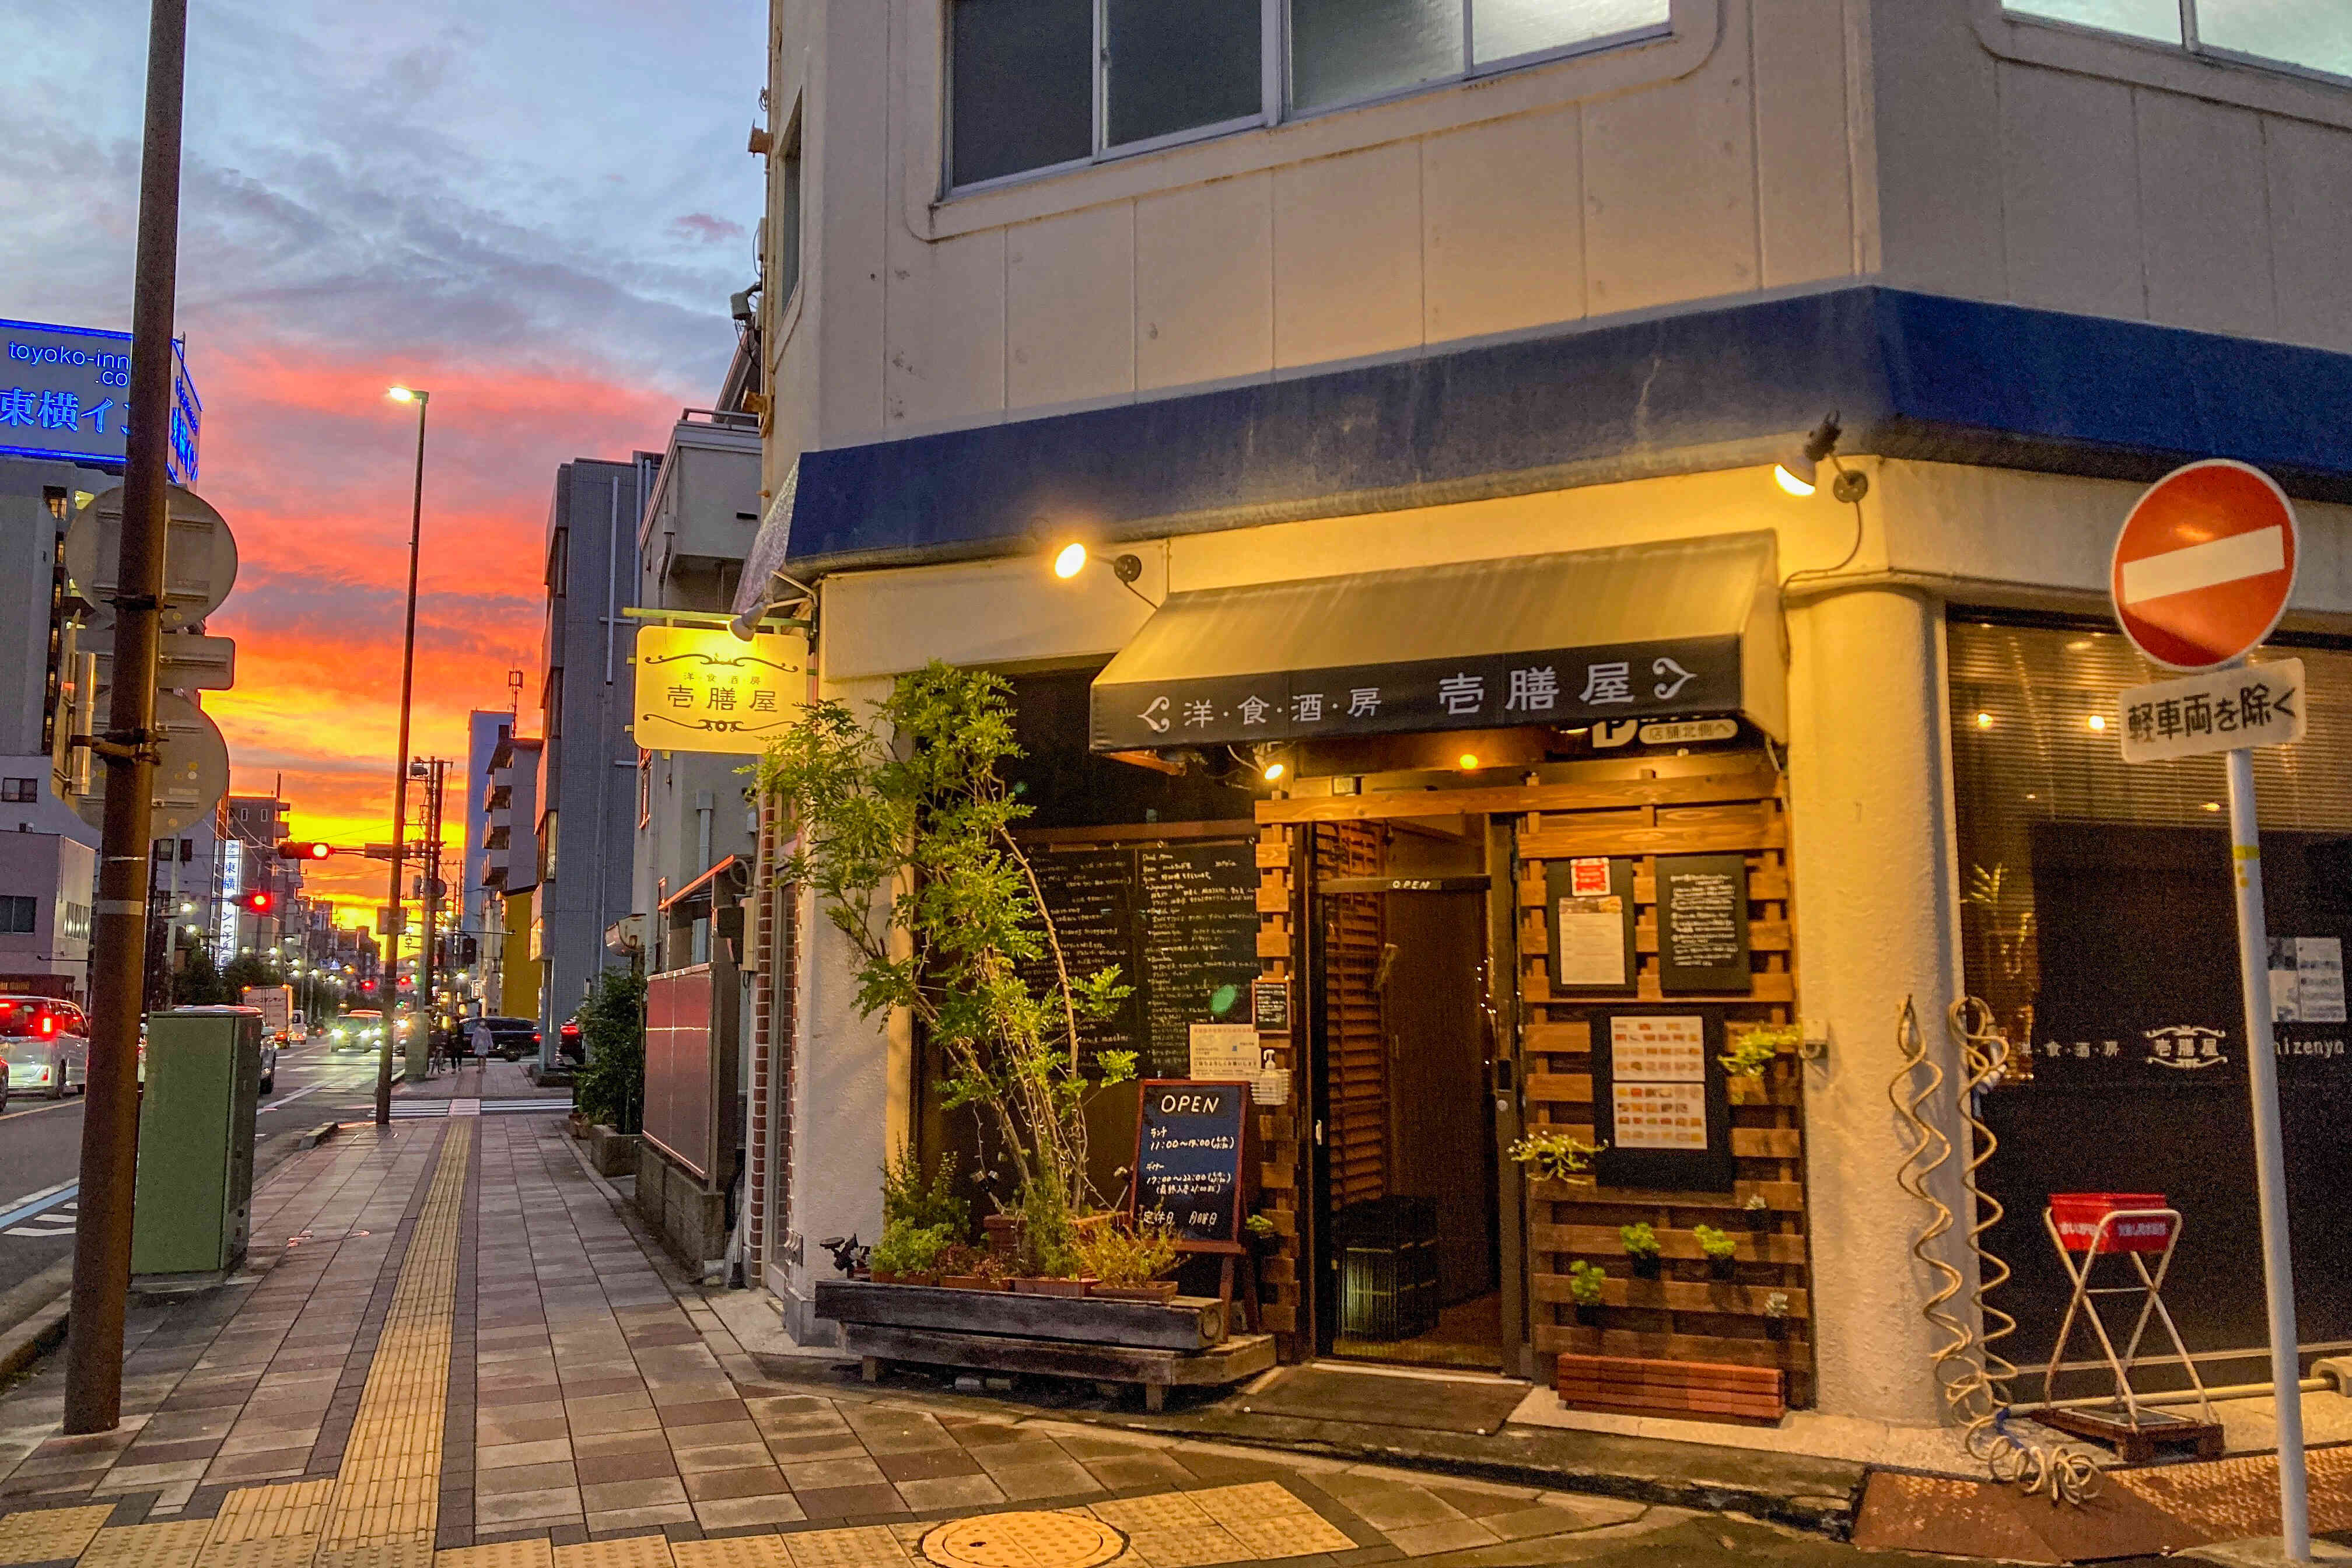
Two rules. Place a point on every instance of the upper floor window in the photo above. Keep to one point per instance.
(2308, 34)
(1045, 84)
(19, 790)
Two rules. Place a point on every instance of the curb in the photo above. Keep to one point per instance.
(316, 1135)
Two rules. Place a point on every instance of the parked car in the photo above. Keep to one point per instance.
(46, 1043)
(510, 1038)
(568, 1046)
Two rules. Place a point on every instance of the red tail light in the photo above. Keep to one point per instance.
(49, 1024)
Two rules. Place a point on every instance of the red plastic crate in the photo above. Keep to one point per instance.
(2076, 1216)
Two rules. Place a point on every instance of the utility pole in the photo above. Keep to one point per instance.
(389, 980)
(110, 1137)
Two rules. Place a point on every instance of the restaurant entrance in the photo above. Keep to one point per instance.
(1403, 1069)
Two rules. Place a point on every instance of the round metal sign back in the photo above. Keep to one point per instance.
(2205, 563)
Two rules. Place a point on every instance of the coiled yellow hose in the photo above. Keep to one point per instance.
(1972, 1377)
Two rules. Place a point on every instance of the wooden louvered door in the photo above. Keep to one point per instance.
(1354, 933)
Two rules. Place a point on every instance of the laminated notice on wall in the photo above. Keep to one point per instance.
(1591, 942)
(1660, 1116)
(2306, 979)
(1224, 1053)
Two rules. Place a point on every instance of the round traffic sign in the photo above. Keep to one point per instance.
(2204, 564)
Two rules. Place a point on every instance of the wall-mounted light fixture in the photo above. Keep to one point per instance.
(1799, 473)
(1073, 558)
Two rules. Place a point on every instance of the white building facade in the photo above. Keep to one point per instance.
(1482, 326)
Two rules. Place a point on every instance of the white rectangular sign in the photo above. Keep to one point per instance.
(2219, 711)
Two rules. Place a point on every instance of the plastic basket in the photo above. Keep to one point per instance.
(1388, 1267)
(2076, 1216)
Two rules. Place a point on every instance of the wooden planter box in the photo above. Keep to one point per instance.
(1157, 1347)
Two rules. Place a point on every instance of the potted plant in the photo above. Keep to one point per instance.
(1128, 1259)
(1641, 1245)
(1584, 1282)
(1776, 1314)
(1717, 1248)
(906, 847)
(966, 1268)
(1552, 1154)
(1754, 1048)
(1052, 1284)
(909, 1254)
(1758, 1213)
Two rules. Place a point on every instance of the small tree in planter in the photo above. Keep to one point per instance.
(907, 843)
(1719, 1249)
(610, 1089)
(1641, 1245)
(1584, 1282)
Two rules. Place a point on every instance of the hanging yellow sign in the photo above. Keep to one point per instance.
(706, 690)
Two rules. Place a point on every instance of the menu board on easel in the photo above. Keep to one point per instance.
(1192, 1144)
(1661, 1105)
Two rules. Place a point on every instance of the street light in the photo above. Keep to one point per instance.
(400, 757)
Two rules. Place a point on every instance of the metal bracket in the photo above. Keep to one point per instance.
(136, 602)
(122, 746)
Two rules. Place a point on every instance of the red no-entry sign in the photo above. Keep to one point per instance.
(2204, 564)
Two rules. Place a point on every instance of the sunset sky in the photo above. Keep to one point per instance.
(535, 209)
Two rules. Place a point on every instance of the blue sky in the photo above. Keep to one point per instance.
(538, 210)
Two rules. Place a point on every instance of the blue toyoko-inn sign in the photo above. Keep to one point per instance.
(65, 393)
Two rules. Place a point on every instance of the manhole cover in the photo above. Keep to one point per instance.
(1028, 1539)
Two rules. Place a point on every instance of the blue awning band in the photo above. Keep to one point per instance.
(1913, 376)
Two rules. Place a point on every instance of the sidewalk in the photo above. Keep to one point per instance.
(451, 1351)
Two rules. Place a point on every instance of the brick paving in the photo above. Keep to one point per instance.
(450, 1350)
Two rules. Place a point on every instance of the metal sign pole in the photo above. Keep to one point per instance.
(2269, 1163)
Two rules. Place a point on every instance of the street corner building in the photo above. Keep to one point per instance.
(1593, 626)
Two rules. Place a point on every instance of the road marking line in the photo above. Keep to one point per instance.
(2206, 565)
(37, 1110)
(290, 1098)
(41, 1202)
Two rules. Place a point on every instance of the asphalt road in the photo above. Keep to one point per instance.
(40, 1150)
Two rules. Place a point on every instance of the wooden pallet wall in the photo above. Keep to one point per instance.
(1686, 1314)
(1282, 1187)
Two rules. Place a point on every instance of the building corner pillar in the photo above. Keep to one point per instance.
(1871, 825)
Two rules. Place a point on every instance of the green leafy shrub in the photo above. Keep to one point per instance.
(1584, 1280)
(1640, 1240)
(1713, 1242)
(1555, 1155)
(1126, 1255)
(924, 1198)
(610, 1088)
(907, 1249)
(1753, 1047)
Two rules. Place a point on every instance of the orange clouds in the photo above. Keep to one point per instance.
(313, 466)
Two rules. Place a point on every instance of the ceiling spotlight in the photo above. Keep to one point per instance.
(1072, 559)
(1467, 761)
(1799, 473)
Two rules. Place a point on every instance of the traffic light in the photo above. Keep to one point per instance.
(303, 849)
(259, 901)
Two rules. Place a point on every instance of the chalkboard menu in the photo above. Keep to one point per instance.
(1703, 924)
(1179, 919)
(1189, 1159)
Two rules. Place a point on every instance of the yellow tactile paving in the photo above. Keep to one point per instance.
(170, 1545)
(284, 1552)
(1169, 1510)
(861, 1546)
(284, 1512)
(388, 1493)
(727, 1551)
(535, 1552)
(1024, 1538)
(1287, 1535)
(631, 1552)
(1258, 1499)
(42, 1534)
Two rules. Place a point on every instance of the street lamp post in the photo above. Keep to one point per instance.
(400, 770)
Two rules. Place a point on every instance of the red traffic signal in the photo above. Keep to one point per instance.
(303, 849)
(260, 901)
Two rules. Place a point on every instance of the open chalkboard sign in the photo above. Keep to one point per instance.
(1191, 1147)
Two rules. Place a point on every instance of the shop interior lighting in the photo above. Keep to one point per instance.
(2097, 721)
(1467, 761)
(1984, 720)
(1799, 473)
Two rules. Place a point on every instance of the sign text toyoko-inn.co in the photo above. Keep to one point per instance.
(65, 395)
(1562, 688)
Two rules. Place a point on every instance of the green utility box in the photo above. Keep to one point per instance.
(195, 1194)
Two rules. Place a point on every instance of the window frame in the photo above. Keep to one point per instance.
(1275, 102)
(2190, 44)
(2221, 76)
